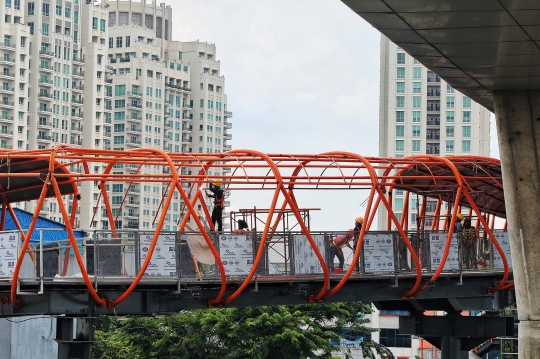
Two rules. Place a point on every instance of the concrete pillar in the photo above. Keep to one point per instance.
(518, 126)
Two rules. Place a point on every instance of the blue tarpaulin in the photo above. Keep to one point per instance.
(52, 231)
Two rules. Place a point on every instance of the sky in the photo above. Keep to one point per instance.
(301, 76)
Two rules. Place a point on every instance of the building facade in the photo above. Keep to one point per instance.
(419, 113)
(108, 76)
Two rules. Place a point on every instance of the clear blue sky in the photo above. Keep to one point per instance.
(301, 76)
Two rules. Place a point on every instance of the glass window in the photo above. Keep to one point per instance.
(45, 8)
(449, 116)
(449, 145)
(31, 8)
(94, 23)
(400, 116)
(466, 116)
(466, 131)
(466, 102)
(417, 87)
(400, 72)
(416, 115)
(416, 101)
(449, 89)
(391, 338)
(120, 90)
(68, 12)
(400, 131)
(400, 87)
(466, 146)
(450, 102)
(400, 101)
(401, 58)
(59, 10)
(416, 62)
(75, 17)
(119, 41)
(400, 145)
(102, 25)
(398, 204)
(416, 145)
(449, 131)
(417, 72)
(416, 131)
(45, 29)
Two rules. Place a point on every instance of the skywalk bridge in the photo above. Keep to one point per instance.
(123, 271)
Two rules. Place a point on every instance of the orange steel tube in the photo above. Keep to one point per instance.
(435, 223)
(71, 236)
(404, 223)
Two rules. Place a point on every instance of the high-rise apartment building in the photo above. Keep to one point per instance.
(421, 114)
(108, 76)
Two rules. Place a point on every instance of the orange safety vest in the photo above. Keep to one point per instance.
(219, 202)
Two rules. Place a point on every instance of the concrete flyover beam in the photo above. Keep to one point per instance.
(518, 126)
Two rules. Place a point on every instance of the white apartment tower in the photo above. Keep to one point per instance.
(421, 114)
(108, 76)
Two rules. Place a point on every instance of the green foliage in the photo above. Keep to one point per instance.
(287, 332)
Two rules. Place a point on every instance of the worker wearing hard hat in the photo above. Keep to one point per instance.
(219, 202)
(243, 227)
(336, 249)
(458, 226)
(357, 228)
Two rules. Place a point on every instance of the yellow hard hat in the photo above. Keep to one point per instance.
(217, 183)
(359, 220)
(460, 216)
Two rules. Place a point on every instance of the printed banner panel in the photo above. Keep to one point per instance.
(305, 259)
(378, 253)
(437, 243)
(163, 262)
(8, 253)
(504, 242)
(236, 253)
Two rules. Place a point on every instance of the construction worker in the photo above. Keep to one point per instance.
(336, 249)
(219, 201)
(458, 226)
(243, 227)
(357, 228)
(467, 244)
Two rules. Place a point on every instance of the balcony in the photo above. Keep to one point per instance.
(7, 90)
(226, 203)
(6, 134)
(45, 82)
(43, 138)
(227, 169)
(109, 68)
(7, 46)
(108, 108)
(46, 68)
(186, 141)
(6, 119)
(132, 225)
(187, 106)
(45, 96)
(108, 121)
(78, 60)
(168, 104)
(76, 143)
(185, 130)
(7, 61)
(134, 106)
(132, 203)
(137, 119)
(77, 129)
(44, 124)
(188, 118)
(167, 114)
(46, 54)
(227, 136)
(78, 75)
(133, 143)
(108, 80)
(227, 125)
(7, 75)
(228, 114)
(133, 130)
(227, 147)
(7, 104)
(134, 94)
(45, 110)
(134, 190)
(108, 95)
(77, 116)
(77, 102)
(78, 88)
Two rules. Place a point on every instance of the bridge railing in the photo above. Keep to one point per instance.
(187, 257)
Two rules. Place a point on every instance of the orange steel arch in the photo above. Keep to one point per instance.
(284, 174)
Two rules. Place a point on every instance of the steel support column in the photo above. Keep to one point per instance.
(76, 346)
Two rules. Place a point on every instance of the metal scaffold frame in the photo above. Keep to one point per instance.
(40, 174)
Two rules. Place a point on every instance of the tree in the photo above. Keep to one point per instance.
(288, 332)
